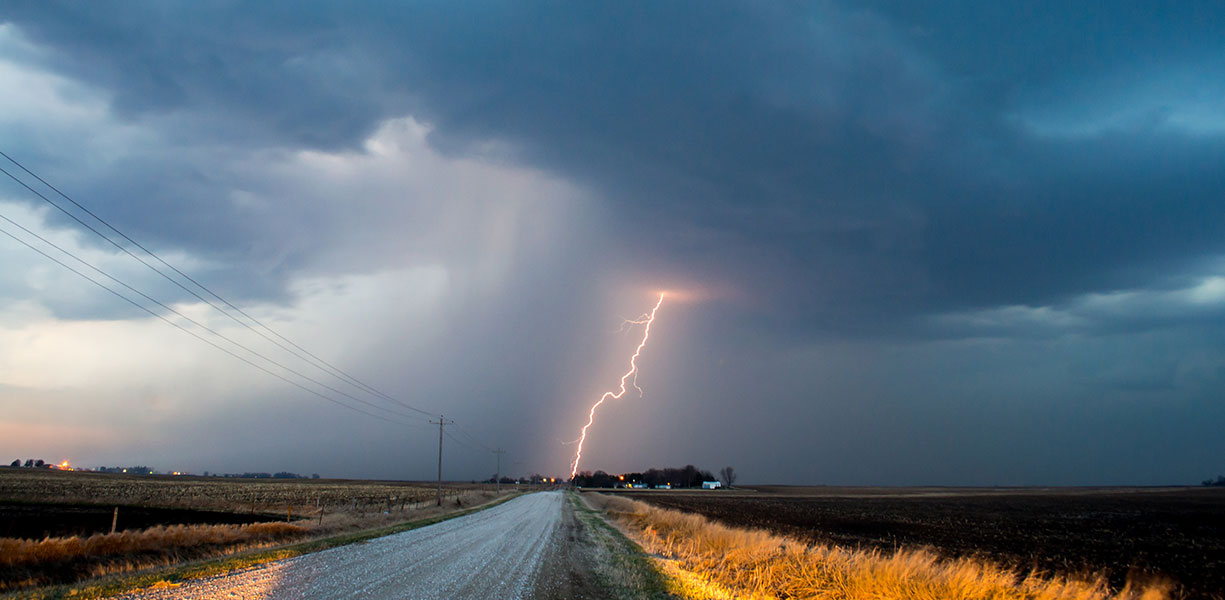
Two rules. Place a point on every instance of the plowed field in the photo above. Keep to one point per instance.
(1140, 533)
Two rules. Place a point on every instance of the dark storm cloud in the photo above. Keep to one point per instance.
(872, 157)
(960, 220)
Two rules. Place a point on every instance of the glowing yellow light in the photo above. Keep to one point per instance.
(622, 477)
(646, 319)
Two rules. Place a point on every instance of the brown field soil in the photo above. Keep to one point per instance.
(39, 520)
(212, 493)
(1120, 533)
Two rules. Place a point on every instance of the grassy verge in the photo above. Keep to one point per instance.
(173, 575)
(622, 568)
(704, 559)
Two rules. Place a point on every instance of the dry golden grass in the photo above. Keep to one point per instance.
(25, 563)
(157, 539)
(758, 564)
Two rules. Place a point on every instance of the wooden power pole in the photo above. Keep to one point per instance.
(497, 475)
(441, 421)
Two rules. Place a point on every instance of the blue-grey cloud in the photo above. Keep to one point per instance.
(881, 174)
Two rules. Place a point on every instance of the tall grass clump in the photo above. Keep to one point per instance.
(758, 564)
(26, 562)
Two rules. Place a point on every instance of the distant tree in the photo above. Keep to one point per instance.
(16, 463)
(314, 476)
(599, 479)
(29, 463)
(40, 463)
(728, 476)
(692, 477)
(1218, 482)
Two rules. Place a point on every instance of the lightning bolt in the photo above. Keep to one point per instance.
(627, 323)
(630, 376)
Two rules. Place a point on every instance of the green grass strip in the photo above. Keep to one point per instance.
(632, 573)
(111, 586)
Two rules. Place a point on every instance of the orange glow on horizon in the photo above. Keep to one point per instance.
(646, 319)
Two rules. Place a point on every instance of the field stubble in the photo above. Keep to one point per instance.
(721, 561)
(1117, 534)
(211, 493)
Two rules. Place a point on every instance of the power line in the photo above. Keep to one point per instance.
(190, 332)
(201, 325)
(459, 441)
(318, 363)
(473, 438)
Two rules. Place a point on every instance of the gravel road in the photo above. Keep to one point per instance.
(494, 553)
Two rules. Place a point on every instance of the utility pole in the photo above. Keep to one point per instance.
(441, 421)
(497, 476)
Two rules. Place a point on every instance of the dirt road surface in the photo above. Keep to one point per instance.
(494, 553)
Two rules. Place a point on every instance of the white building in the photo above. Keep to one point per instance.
(711, 485)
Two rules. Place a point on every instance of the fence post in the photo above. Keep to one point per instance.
(114, 519)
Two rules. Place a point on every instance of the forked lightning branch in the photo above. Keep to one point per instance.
(630, 376)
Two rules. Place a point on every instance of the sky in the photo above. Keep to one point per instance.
(965, 244)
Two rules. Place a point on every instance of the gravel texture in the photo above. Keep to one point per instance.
(494, 553)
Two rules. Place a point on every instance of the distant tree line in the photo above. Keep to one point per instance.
(535, 478)
(687, 476)
(137, 470)
(280, 475)
(33, 463)
(1218, 482)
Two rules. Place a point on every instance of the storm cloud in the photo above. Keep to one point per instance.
(979, 244)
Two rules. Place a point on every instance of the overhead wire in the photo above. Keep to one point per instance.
(193, 333)
(201, 325)
(318, 363)
(462, 442)
(474, 439)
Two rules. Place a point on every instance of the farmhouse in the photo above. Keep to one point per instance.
(711, 485)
